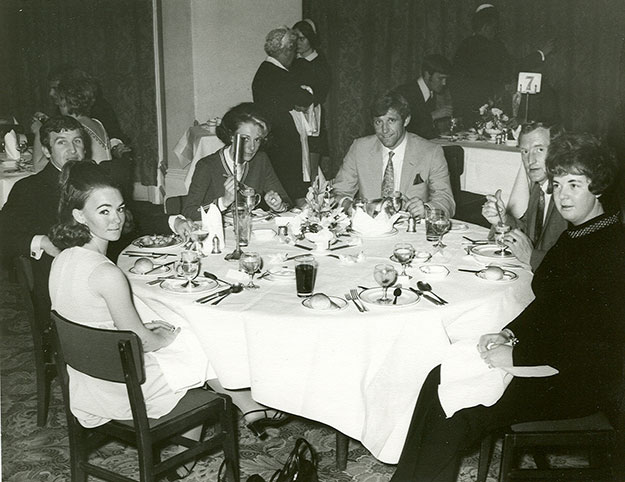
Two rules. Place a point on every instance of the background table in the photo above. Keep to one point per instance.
(8, 179)
(361, 373)
(488, 167)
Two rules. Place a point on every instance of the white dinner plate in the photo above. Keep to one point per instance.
(392, 232)
(162, 270)
(339, 304)
(488, 253)
(281, 273)
(508, 277)
(406, 298)
(175, 285)
(155, 241)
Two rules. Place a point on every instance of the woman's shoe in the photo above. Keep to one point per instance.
(269, 420)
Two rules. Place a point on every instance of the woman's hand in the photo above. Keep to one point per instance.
(165, 332)
(520, 245)
(275, 202)
(494, 350)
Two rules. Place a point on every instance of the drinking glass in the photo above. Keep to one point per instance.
(501, 229)
(250, 263)
(385, 275)
(305, 275)
(198, 235)
(397, 201)
(404, 253)
(439, 223)
(188, 267)
(251, 198)
(244, 217)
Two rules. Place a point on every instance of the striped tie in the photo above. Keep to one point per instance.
(388, 183)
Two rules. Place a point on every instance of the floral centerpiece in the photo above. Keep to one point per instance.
(321, 219)
(493, 121)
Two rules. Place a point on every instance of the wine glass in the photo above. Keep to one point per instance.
(188, 267)
(250, 263)
(385, 275)
(440, 223)
(22, 163)
(198, 235)
(404, 253)
(501, 229)
(397, 201)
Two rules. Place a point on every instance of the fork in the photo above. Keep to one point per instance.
(355, 295)
(348, 297)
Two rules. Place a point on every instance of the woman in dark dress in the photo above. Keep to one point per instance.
(575, 324)
(311, 68)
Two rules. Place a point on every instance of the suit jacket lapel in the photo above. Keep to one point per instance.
(409, 167)
(375, 160)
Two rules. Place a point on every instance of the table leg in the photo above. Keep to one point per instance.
(342, 445)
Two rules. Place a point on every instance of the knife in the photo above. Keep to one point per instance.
(217, 294)
(159, 267)
(427, 297)
(307, 248)
(143, 253)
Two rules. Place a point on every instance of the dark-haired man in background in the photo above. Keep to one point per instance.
(422, 95)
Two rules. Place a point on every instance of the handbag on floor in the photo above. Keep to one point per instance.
(301, 466)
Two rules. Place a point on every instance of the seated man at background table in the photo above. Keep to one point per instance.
(422, 94)
(417, 167)
(541, 225)
(31, 209)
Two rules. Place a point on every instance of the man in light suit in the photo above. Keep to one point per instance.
(422, 94)
(417, 169)
(541, 225)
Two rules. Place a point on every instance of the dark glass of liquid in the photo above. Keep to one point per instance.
(305, 275)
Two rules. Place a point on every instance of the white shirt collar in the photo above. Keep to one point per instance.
(425, 90)
(275, 62)
(311, 56)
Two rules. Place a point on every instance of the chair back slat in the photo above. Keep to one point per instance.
(95, 351)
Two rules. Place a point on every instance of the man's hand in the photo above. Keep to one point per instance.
(119, 150)
(493, 209)
(183, 227)
(520, 245)
(416, 208)
(494, 350)
(275, 202)
(49, 248)
(228, 198)
(445, 111)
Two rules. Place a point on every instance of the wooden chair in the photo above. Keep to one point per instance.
(595, 432)
(117, 356)
(45, 369)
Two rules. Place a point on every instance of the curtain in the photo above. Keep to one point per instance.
(374, 45)
(110, 39)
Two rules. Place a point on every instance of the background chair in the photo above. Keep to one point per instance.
(45, 369)
(117, 356)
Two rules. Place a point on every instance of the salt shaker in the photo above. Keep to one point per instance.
(412, 225)
(216, 249)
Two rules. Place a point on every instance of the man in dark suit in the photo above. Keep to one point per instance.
(422, 94)
(396, 160)
(277, 92)
(31, 209)
(540, 227)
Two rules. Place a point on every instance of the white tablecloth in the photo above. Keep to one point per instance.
(8, 178)
(360, 373)
(197, 142)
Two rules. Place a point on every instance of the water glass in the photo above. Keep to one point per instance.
(436, 225)
(245, 225)
(305, 275)
(198, 235)
(501, 229)
(385, 275)
(250, 263)
(188, 267)
(250, 197)
(404, 253)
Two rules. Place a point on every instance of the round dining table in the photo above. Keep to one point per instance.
(359, 372)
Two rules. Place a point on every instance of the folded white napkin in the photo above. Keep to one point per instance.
(365, 224)
(212, 222)
(10, 145)
(466, 380)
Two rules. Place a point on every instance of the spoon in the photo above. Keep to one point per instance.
(426, 287)
(234, 288)
(208, 274)
(397, 293)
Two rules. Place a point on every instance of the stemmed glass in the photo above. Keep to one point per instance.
(188, 267)
(404, 253)
(397, 200)
(250, 263)
(501, 229)
(385, 275)
(440, 224)
(198, 235)
(22, 163)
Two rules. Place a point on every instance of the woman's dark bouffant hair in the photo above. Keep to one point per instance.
(240, 114)
(582, 154)
(77, 90)
(78, 179)
(307, 31)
